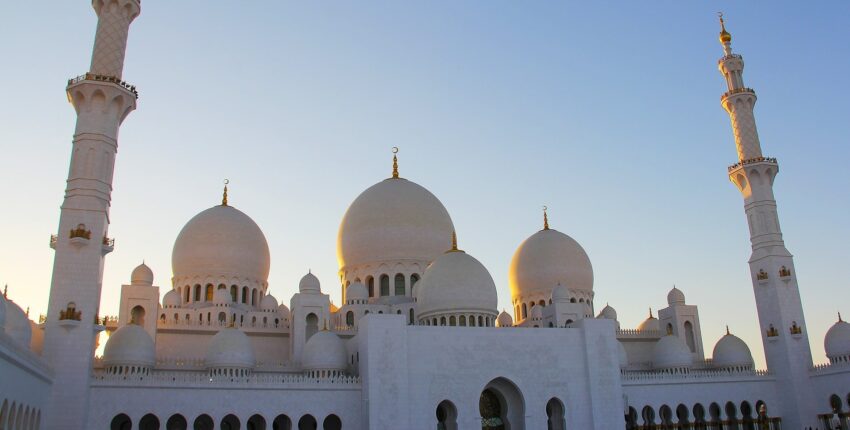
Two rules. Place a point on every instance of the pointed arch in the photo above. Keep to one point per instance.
(555, 412)
(446, 415)
(502, 403)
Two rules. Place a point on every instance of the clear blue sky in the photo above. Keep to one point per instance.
(606, 112)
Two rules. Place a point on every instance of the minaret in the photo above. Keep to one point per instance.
(780, 311)
(102, 101)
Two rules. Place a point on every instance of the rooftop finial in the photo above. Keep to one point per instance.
(650, 312)
(454, 240)
(545, 218)
(839, 317)
(224, 197)
(725, 37)
(395, 162)
(727, 330)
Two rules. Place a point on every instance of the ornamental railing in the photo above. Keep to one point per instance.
(756, 423)
(202, 378)
(655, 375)
(751, 161)
(104, 78)
(726, 57)
(737, 91)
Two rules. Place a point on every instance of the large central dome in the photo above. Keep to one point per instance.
(395, 219)
(221, 242)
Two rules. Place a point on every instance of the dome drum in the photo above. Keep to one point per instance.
(459, 319)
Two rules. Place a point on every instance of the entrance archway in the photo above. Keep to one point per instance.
(555, 415)
(501, 406)
(446, 416)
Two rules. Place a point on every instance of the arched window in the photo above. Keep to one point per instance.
(443, 321)
(414, 278)
(197, 293)
(222, 287)
(312, 326)
(542, 303)
(349, 318)
(434, 321)
(462, 321)
(176, 422)
(307, 422)
(834, 404)
(119, 422)
(648, 416)
(149, 422)
(410, 320)
(731, 413)
(208, 293)
(699, 414)
(332, 422)
(472, 320)
(480, 321)
(203, 422)
(282, 422)
(385, 285)
(370, 282)
(524, 311)
(245, 295)
(234, 293)
(714, 411)
(254, 297)
(446, 416)
(222, 318)
(683, 416)
(137, 315)
(256, 422)
(186, 291)
(452, 321)
(229, 422)
(399, 284)
(555, 415)
(689, 336)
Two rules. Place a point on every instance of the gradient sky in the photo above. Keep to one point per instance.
(607, 112)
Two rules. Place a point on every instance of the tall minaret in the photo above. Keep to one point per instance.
(780, 311)
(102, 101)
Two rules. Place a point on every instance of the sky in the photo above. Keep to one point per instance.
(606, 112)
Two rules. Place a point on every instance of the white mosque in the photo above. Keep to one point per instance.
(418, 342)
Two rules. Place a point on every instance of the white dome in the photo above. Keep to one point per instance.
(284, 311)
(836, 343)
(504, 320)
(456, 282)
(608, 313)
(171, 299)
(310, 284)
(393, 220)
(17, 324)
(230, 348)
(537, 312)
(650, 324)
(324, 351)
(130, 345)
(221, 242)
(731, 351)
(624, 357)
(222, 297)
(670, 352)
(142, 275)
(675, 297)
(269, 303)
(356, 291)
(547, 258)
(560, 294)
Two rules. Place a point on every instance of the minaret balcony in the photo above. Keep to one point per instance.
(108, 245)
(768, 160)
(103, 78)
(742, 90)
(54, 239)
(729, 57)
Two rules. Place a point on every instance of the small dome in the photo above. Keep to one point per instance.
(356, 291)
(504, 320)
(836, 343)
(222, 297)
(560, 294)
(17, 323)
(731, 351)
(650, 324)
(310, 284)
(393, 220)
(130, 345)
(608, 313)
(456, 282)
(624, 357)
(269, 303)
(537, 312)
(324, 351)
(142, 275)
(670, 352)
(548, 258)
(283, 310)
(230, 348)
(221, 241)
(171, 299)
(675, 297)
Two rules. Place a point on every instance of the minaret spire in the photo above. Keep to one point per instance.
(787, 350)
(545, 218)
(102, 100)
(224, 196)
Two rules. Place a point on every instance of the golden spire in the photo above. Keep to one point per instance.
(224, 198)
(395, 162)
(454, 243)
(725, 37)
(545, 218)
(650, 313)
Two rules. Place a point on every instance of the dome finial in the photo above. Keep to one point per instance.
(650, 312)
(395, 162)
(454, 243)
(224, 197)
(727, 330)
(545, 218)
(839, 317)
(6, 291)
(725, 37)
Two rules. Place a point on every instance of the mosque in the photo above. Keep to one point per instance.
(417, 343)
